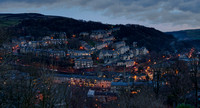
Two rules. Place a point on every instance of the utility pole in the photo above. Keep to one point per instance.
(195, 64)
(156, 81)
(124, 73)
(196, 80)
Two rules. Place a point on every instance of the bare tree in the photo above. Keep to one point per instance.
(146, 98)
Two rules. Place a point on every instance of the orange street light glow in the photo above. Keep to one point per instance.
(133, 92)
(135, 77)
(81, 48)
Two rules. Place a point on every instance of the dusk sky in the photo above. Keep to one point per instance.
(164, 15)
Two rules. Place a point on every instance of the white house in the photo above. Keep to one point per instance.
(84, 34)
(58, 41)
(46, 38)
(78, 53)
(99, 46)
(134, 44)
(34, 44)
(136, 52)
(143, 51)
(127, 63)
(98, 34)
(83, 63)
(86, 46)
(119, 44)
(110, 38)
(123, 49)
(107, 54)
(57, 54)
(125, 57)
(26, 50)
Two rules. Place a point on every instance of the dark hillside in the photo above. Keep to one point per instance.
(38, 25)
(59, 24)
(149, 37)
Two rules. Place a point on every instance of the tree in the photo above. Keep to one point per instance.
(179, 83)
(143, 99)
(184, 106)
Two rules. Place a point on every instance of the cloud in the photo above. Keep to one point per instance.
(174, 12)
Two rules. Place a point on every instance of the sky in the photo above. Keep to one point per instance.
(164, 15)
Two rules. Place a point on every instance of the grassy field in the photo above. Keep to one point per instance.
(8, 22)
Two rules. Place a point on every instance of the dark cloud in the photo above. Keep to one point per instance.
(29, 1)
(153, 11)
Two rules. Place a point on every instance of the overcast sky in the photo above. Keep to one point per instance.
(164, 15)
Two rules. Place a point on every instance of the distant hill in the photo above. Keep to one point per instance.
(187, 38)
(39, 25)
(186, 34)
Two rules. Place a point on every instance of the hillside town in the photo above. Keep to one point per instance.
(102, 64)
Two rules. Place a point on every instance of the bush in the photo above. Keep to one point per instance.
(184, 106)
